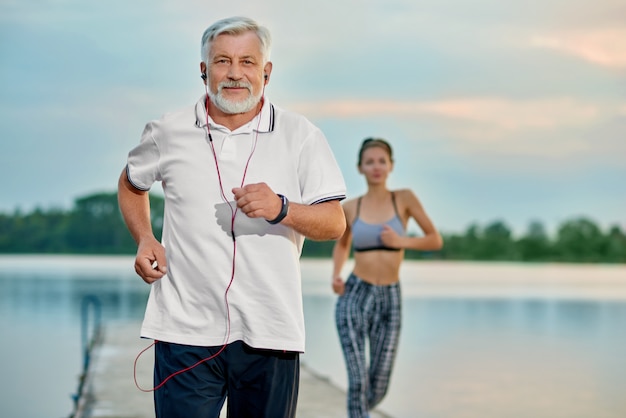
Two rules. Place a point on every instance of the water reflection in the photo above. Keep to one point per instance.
(40, 318)
(463, 358)
(60, 299)
(467, 358)
(530, 315)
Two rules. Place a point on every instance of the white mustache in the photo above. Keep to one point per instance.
(233, 83)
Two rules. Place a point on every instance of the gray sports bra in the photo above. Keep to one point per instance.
(366, 237)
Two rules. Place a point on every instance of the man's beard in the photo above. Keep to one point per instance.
(229, 106)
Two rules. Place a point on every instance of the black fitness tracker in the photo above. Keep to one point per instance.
(283, 210)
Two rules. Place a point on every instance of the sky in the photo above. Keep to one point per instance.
(511, 111)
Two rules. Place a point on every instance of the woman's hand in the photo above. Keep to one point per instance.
(390, 238)
(339, 286)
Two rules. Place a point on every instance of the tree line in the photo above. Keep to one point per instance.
(94, 226)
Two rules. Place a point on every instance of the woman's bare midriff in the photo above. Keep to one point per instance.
(378, 267)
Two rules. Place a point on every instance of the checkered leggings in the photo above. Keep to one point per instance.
(368, 312)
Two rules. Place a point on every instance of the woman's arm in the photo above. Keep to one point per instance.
(413, 208)
(341, 251)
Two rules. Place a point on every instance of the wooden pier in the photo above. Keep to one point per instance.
(110, 390)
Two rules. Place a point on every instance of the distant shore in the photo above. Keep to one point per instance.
(418, 278)
(499, 279)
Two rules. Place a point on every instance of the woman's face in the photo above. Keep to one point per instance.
(375, 165)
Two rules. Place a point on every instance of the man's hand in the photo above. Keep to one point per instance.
(258, 201)
(150, 262)
(320, 221)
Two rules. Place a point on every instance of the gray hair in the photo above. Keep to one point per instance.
(235, 26)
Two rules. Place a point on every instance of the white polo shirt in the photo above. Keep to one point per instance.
(200, 301)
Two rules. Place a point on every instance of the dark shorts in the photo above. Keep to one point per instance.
(258, 383)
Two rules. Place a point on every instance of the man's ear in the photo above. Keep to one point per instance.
(203, 70)
(267, 70)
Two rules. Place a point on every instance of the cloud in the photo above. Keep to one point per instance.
(551, 128)
(474, 95)
(504, 113)
(604, 47)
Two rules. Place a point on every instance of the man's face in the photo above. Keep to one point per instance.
(235, 72)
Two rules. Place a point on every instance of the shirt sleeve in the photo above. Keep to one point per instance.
(143, 161)
(320, 177)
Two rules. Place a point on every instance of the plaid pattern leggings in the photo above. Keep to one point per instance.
(371, 313)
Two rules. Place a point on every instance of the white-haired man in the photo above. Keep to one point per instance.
(244, 183)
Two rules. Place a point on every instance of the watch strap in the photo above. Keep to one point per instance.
(283, 210)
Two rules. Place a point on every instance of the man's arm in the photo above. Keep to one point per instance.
(323, 221)
(135, 207)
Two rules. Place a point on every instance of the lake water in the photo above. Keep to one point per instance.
(478, 340)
